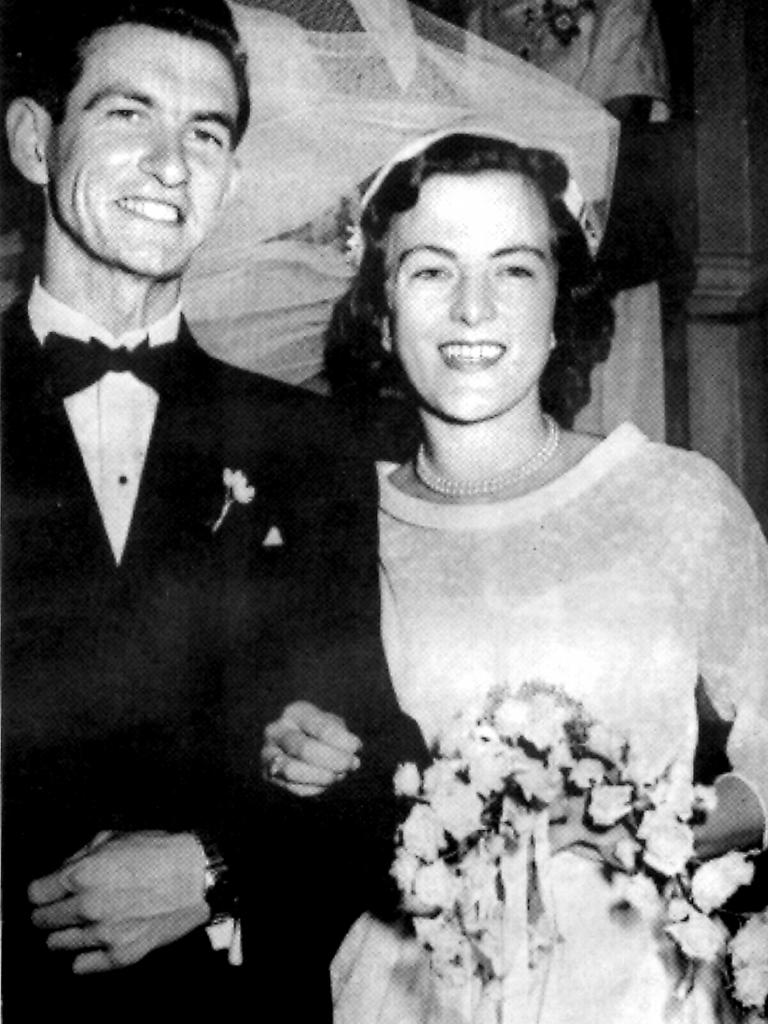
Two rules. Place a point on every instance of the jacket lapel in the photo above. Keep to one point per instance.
(181, 482)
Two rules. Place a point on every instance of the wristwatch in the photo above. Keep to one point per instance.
(218, 889)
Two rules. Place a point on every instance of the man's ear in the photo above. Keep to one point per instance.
(29, 129)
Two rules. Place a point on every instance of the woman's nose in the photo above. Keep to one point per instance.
(473, 300)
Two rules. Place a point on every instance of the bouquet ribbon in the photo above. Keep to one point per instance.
(525, 871)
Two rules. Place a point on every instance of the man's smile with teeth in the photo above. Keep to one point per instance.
(472, 354)
(152, 209)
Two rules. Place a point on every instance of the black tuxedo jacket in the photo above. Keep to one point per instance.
(134, 695)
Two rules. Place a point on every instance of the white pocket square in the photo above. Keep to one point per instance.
(274, 539)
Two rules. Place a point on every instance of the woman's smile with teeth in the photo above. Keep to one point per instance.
(152, 209)
(471, 355)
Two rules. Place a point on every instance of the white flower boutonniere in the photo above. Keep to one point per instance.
(236, 490)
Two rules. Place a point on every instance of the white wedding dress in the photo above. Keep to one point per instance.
(621, 582)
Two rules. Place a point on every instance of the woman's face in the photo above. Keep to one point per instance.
(471, 288)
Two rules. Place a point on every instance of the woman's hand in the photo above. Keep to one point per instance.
(307, 750)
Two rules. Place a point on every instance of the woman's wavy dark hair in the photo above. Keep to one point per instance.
(361, 372)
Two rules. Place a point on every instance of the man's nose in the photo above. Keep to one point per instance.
(165, 158)
(473, 300)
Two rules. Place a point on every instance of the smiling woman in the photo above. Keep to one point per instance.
(472, 286)
(473, 242)
(514, 551)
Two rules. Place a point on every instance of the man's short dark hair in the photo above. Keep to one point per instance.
(49, 42)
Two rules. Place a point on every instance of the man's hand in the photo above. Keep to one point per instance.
(307, 750)
(122, 896)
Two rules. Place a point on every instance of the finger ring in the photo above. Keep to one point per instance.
(276, 767)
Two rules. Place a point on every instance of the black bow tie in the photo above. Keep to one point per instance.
(74, 365)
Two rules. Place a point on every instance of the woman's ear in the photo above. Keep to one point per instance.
(29, 129)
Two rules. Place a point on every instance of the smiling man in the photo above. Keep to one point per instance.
(167, 523)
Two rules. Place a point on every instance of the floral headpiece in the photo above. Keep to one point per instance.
(558, 17)
(582, 211)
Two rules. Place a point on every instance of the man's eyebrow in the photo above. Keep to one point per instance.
(217, 117)
(109, 92)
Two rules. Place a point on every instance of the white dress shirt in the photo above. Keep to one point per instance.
(112, 419)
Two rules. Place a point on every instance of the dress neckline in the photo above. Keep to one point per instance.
(621, 443)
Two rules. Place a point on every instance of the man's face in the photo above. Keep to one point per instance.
(143, 161)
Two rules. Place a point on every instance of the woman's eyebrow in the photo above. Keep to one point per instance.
(435, 250)
(507, 250)
(526, 250)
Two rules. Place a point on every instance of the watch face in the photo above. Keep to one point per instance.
(218, 891)
(217, 884)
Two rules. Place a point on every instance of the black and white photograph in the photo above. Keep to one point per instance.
(384, 453)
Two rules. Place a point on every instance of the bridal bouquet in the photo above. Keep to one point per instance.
(500, 776)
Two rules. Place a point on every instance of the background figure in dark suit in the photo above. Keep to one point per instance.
(182, 555)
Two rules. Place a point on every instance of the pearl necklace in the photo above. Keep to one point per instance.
(492, 485)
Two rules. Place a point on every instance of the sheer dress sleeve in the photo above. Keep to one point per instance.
(733, 640)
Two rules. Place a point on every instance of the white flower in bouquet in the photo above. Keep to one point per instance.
(750, 986)
(538, 781)
(748, 953)
(626, 851)
(717, 880)
(435, 885)
(586, 773)
(704, 799)
(545, 727)
(606, 743)
(489, 763)
(465, 728)
(404, 870)
(423, 834)
(407, 780)
(458, 808)
(699, 936)
(675, 793)
(511, 717)
(609, 804)
(441, 775)
(668, 842)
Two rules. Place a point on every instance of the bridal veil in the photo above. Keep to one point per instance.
(337, 87)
